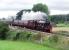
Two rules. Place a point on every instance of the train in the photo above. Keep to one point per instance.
(31, 21)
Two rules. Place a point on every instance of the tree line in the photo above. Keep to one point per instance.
(59, 18)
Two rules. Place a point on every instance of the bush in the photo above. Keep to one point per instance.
(57, 41)
(54, 39)
(14, 35)
(51, 40)
(3, 30)
(38, 37)
(25, 35)
(64, 44)
(11, 35)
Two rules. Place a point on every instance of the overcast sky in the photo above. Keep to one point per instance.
(11, 7)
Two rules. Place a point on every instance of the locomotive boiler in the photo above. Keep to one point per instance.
(35, 21)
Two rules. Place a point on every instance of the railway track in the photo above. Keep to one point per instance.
(16, 28)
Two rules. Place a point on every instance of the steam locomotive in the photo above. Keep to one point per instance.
(32, 22)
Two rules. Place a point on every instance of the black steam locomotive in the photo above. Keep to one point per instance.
(31, 21)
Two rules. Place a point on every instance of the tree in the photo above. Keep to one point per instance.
(4, 28)
(40, 7)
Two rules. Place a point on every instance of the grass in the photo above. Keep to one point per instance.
(63, 25)
(18, 45)
(60, 29)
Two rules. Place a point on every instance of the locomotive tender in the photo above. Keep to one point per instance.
(35, 21)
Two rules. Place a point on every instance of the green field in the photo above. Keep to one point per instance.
(17, 45)
(63, 25)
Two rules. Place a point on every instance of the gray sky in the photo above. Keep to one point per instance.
(23, 4)
(55, 6)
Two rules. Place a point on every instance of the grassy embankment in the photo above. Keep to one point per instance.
(54, 42)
